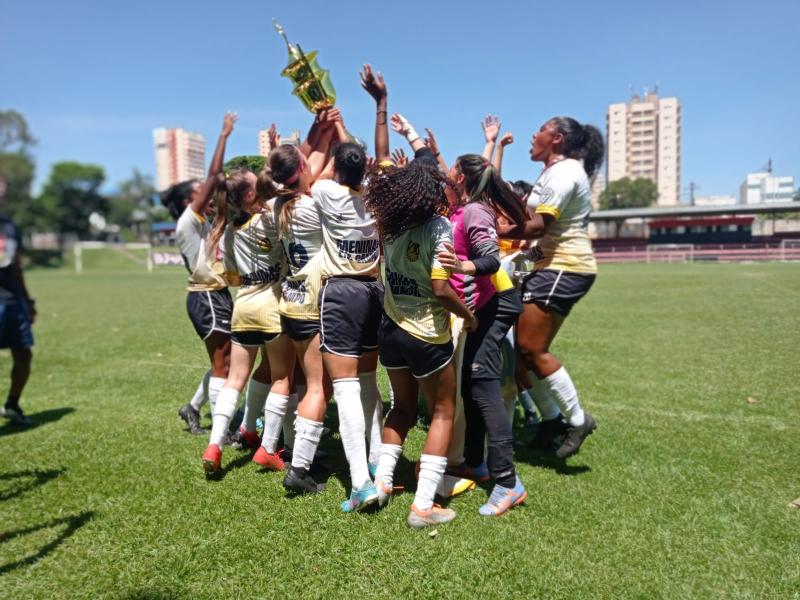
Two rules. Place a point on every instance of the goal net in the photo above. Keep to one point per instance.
(670, 253)
(790, 249)
(112, 256)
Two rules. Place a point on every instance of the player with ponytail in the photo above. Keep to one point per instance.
(565, 269)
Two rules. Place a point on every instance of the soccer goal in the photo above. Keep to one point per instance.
(790, 249)
(670, 253)
(116, 256)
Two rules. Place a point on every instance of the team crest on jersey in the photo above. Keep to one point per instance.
(547, 194)
(265, 245)
(412, 252)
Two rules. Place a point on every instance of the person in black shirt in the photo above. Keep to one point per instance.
(17, 314)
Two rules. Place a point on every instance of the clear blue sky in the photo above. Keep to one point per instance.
(94, 78)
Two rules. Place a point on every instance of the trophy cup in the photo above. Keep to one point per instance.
(312, 83)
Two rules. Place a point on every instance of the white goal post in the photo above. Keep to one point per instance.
(790, 249)
(670, 253)
(122, 248)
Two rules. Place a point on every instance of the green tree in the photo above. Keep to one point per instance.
(627, 193)
(14, 133)
(138, 189)
(16, 166)
(253, 162)
(71, 194)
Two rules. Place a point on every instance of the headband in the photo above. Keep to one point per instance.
(483, 182)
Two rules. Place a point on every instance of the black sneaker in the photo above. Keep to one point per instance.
(547, 435)
(236, 440)
(576, 436)
(192, 418)
(16, 416)
(298, 481)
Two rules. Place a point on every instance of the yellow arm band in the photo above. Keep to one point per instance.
(439, 273)
(548, 210)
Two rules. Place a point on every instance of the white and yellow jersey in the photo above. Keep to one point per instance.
(351, 243)
(563, 191)
(411, 264)
(302, 243)
(191, 233)
(255, 261)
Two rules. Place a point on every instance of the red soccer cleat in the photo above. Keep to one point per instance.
(270, 462)
(212, 459)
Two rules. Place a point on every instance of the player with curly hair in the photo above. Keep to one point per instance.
(416, 348)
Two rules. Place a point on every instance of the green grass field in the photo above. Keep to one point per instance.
(682, 492)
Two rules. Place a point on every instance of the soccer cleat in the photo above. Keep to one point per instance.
(451, 486)
(464, 471)
(503, 499)
(235, 440)
(270, 462)
(16, 416)
(361, 499)
(436, 515)
(384, 492)
(192, 418)
(373, 468)
(212, 459)
(547, 434)
(251, 439)
(298, 481)
(531, 419)
(576, 436)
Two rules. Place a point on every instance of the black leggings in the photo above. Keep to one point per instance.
(484, 409)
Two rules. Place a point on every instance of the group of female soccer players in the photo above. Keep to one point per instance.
(303, 242)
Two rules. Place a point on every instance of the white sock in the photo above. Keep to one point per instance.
(525, 399)
(288, 417)
(387, 461)
(373, 413)
(307, 436)
(347, 393)
(431, 469)
(223, 411)
(543, 399)
(254, 403)
(201, 395)
(566, 396)
(274, 410)
(215, 385)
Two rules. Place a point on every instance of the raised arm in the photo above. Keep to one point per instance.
(202, 197)
(497, 161)
(402, 126)
(434, 147)
(376, 88)
(318, 156)
(491, 128)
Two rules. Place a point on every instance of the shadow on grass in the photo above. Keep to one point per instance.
(239, 461)
(35, 479)
(72, 523)
(537, 458)
(39, 419)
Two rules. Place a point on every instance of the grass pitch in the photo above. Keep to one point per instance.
(682, 492)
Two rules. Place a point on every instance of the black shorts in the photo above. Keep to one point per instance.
(350, 310)
(210, 311)
(401, 350)
(483, 347)
(556, 290)
(16, 325)
(299, 330)
(252, 338)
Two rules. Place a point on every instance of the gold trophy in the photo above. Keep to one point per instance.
(312, 83)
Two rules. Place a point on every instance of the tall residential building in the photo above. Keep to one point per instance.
(766, 187)
(180, 155)
(644, 140)
(263, 140)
